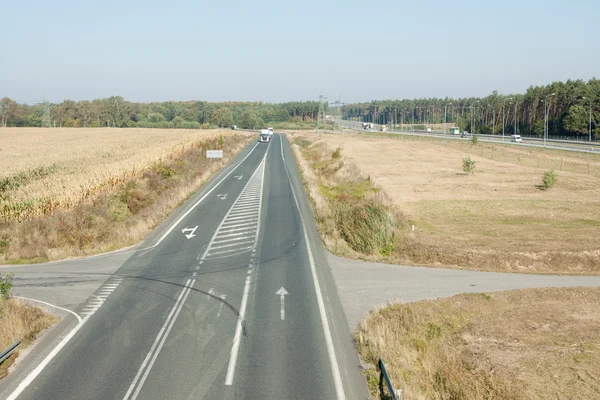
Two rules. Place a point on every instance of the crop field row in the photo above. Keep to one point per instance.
(42, 170)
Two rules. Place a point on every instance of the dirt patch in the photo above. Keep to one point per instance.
(524, 344)
(497, 219)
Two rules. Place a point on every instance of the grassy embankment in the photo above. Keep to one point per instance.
(497, 219)
(524, 344)
(354, 217)
(73, 192)
(20, 321)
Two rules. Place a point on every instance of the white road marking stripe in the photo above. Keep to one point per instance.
(244, 207)
(243, 212)
(214, 253)
(227, 226)
(246, 241)
(335, 369)
(243, 217)
(226, 215)
(231, 239)
(238, 335)
(253, 202)
(50, 305)
(248, 228)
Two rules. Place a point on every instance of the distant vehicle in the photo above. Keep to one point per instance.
(270, 131)
(465, 134)
(516, 138)
(265, 132)
(265, 138)
(234, 127)
(454, 130)
(428, 129)
(383, 128)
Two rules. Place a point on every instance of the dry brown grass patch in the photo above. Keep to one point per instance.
(497, 219)
(523, 344)
(22, 321)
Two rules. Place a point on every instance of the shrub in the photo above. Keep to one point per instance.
(6, 285)
(336, 154)
(474, 139)
(468, 165)
(549, 179)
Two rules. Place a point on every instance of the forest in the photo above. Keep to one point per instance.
(115, 111)
(568, 106)
(571, 107)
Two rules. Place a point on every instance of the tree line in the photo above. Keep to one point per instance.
(115, 111)
(567, 105)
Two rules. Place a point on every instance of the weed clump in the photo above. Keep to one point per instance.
(549, 179)
(468, 165)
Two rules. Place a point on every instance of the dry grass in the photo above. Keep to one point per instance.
(495, 219)
(524, 344)
(20, 321)
(139, 188)
(354, 217)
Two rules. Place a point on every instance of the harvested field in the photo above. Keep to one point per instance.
(523, 344)
(73, 192)
(497, 219)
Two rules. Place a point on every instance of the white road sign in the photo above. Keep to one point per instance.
(214, 153)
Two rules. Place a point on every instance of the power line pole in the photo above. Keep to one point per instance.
(46, 120)
(321, 114)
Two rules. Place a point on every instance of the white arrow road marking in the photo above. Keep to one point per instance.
(222, 196)
(282, 292)
(192, 230)
(239, 177)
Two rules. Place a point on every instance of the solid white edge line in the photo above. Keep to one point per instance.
(187, 290)
(203, 197)
(235, 348)
(238, 335)
(50, 305)
(33, 374)
(156, 341)
(335, 369)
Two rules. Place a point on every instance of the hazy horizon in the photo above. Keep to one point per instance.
(273, 52)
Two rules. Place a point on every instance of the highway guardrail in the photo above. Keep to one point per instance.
(7, 353)
(395, 394)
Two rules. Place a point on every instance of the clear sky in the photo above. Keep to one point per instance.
(278, 51)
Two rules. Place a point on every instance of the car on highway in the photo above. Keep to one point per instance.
(465, 134)
(265, 138)
(516, 138)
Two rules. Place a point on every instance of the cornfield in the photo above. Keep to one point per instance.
(42, 170)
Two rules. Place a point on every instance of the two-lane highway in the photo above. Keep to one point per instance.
(233, 299)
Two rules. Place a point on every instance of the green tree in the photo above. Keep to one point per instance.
(576, 120)
(250, 120)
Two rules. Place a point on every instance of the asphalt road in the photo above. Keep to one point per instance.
(231, 297)
(365, 285)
